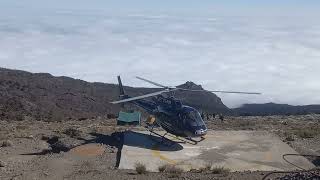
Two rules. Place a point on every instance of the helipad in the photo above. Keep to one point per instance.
(237, 150)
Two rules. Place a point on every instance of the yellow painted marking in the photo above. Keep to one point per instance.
(268, 156)
(156, 153)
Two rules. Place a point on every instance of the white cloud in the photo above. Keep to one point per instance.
(276, 56)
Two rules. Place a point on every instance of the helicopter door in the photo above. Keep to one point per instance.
(182, 121)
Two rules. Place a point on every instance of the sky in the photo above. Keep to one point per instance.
(272, 47)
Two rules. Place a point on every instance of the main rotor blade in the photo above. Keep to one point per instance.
(237, 92)
(229, 92)
(151, 82)
(140, 97)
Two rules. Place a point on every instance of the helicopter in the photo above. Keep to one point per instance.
(170, 114)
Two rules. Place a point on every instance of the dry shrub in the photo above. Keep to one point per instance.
(220, 170)
(244, 124)
(162, 168)
(6, 143)
(307, 133)
(140, 168)
(206, 168)
(21, 127)
(288, 136)
(74, 133)
(172, 170)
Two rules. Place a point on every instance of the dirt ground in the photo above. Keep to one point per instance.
(50, 150)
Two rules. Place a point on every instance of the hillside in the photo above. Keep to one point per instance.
(275, 109)
(41, 96)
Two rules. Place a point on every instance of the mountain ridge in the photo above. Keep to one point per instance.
(276, 109)
(41, 96)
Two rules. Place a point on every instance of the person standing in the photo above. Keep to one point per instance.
(221, 117)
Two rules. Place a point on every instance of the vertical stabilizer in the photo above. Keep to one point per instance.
(121, 90)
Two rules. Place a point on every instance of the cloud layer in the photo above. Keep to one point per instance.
(277, 56)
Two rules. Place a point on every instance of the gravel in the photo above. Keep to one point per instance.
(56, 139)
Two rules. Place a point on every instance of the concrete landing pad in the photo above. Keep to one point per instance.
(237, 150)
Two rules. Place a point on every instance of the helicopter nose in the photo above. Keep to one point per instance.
(201, 132)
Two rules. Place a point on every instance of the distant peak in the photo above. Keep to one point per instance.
(191, 85)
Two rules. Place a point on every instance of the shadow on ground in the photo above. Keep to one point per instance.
(146, 141)
(117, 139)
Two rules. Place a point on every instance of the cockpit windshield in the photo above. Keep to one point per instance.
(195, 118)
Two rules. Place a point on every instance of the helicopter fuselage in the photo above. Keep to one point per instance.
(175, 118)
(170, 113)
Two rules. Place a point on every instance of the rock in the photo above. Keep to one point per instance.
(44, 137)
(59, 145)
(50, 139)
(3, 164)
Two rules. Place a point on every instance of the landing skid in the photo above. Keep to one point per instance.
(188, 140)
(181, 139)
(164, 141)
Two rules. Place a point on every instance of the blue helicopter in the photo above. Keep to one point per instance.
(170, 114)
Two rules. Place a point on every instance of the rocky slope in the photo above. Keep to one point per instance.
(276, 109)
(41, 96)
